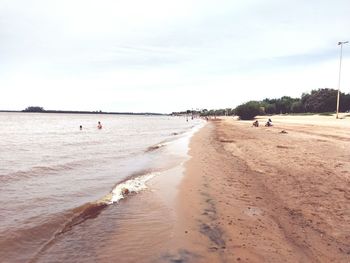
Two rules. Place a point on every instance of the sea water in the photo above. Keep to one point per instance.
(55, 176)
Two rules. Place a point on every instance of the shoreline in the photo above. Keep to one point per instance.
(258, 195)
(230, 193)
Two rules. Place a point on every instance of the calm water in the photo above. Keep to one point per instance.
(54, 176)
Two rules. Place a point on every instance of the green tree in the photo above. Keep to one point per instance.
(270, 108)
(344, 102)
(284, 104)
(321, 100)
(297, 107)
(249, 110)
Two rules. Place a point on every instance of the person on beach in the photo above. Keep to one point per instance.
(256, 123)
(99, 125)
(268, 123)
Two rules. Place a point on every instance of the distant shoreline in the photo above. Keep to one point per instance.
(89, 112)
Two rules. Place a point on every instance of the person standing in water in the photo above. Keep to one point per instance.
(99, 125)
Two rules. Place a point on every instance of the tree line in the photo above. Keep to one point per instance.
(317, 101)
(34, 109)
(42, 110)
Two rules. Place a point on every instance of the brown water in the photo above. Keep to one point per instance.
(60, 187)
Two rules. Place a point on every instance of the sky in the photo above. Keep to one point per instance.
(164, 56)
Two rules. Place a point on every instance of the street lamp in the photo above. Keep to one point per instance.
(341, 54)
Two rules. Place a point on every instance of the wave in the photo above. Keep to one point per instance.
(131, 186)
(41, 171)
(156, 147)
(179, 132)
(166, 142)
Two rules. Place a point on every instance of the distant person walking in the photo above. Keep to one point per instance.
(99, 125)
(81, 127)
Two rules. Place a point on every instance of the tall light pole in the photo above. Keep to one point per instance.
(341, 54)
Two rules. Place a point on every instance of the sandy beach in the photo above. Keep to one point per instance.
(255, 194)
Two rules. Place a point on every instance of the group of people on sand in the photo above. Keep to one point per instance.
(267, 124)
(99, 126)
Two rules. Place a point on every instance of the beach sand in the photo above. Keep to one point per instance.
(258, 195)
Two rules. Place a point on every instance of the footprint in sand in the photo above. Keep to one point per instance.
(253, 211)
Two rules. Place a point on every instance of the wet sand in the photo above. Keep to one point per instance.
(258, 195)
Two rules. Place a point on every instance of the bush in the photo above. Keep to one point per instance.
(34, 109)
(248, 111)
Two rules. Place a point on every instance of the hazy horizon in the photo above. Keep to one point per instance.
(164, 56)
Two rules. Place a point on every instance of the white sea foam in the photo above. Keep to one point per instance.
(134, 185)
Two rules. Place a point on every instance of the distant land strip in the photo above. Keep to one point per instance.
(88, 112)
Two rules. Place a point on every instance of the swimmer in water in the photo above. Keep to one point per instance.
(99, 125)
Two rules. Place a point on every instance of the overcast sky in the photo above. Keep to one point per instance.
(164, 56)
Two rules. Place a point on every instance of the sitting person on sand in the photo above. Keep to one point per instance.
(256, 123)
(268, 123)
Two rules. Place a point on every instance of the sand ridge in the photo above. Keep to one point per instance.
(259, 195)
